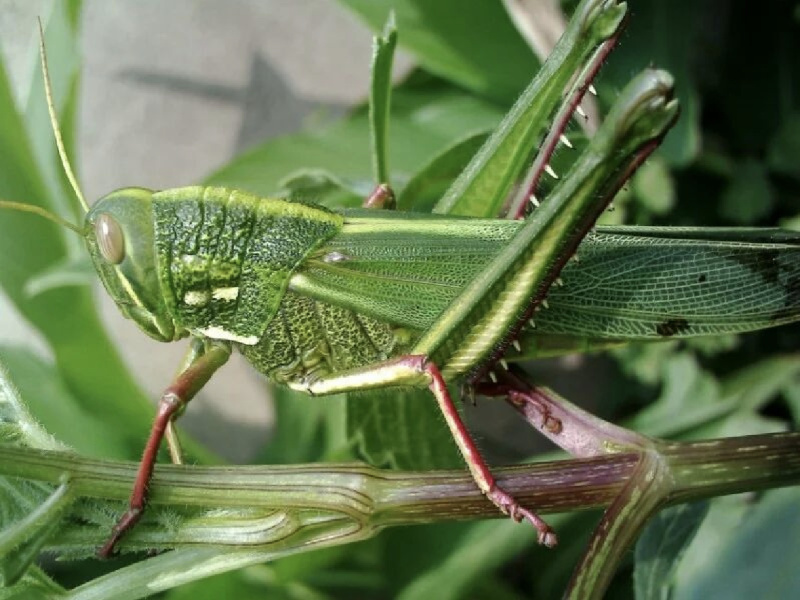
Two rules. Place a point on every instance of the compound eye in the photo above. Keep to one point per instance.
(110, 239)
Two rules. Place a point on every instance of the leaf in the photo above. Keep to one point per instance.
(380, 97)
(690, 397)
(426, 118)
(235, 584)
(482, 188)
(402, 428)
(749, 195)
(654, 186)
(661, 548)
(463, 46)
(431, 181)
(21, 541)
(323, 187)
(783, 155)
(57, 409)
(34, 585)
(746, 548)
(792, 394)
(483, 549)
(693, 403)
(652, 39)
(66, 317)
(76, 271)
(304, 429)
(759, 383)
(27, 517)
(17, 425)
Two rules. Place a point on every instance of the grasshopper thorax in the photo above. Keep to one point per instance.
(119, 236)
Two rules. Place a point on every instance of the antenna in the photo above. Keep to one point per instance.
(54, 122)
(38, 210)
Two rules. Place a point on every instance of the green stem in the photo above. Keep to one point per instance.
(620, 526)
(675, 472)
(378, 498)
(227, 518)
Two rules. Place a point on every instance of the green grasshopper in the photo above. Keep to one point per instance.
(328, 301)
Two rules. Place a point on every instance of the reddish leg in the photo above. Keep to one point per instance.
(175, 397)
(571, 428)
(524, 398)
(416, 370)
(381, 197)
(478, 467)
(196, 350)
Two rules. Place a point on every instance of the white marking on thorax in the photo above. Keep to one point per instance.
(217, 333)
(228, 293)
(196, 298)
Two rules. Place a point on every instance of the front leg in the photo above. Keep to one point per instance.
(418, 371)
(196, 374)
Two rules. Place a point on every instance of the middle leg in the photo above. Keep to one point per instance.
(418, 371)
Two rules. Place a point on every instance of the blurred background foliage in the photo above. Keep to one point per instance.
(733, 159)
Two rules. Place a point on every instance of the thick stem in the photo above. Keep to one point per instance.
(377, 498)
(619, 528)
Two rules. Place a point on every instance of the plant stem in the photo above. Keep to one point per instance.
(224, 518)
(380, 498)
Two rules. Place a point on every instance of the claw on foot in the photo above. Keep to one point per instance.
(509, 505)
(528, 403)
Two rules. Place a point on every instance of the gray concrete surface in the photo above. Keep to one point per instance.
(171, 90)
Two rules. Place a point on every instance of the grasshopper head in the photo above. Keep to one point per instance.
(118, 231)
(119, 235)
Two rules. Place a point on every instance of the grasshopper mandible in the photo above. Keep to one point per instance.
(327, 301)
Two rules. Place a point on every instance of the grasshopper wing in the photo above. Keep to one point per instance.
(631, 283)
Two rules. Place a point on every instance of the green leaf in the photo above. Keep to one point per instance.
(426, 118)
(482, 188)
(792, 394)
(17, 425)
(654, 186)
(380, 97)
(783, 155)
(57, 409)
(478, 49)
(227, 585)
(66, 317)
(759, 383)
(77, 271)
(34, 585)
(690, 397)
(746, 548)
(661, 548)
(306, 428)
(658, 36)
(483, 549)
(21, 541)
(402, 428)
(431, 181)
(323, 187)
(749, 195)
(693, 403)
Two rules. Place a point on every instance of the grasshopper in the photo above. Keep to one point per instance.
(341, 300)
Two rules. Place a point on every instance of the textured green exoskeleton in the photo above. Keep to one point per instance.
(329, 301)
(265, 276)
